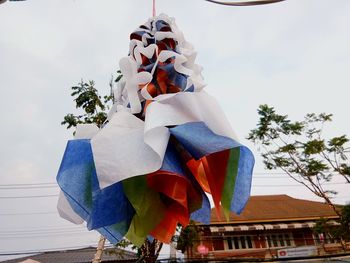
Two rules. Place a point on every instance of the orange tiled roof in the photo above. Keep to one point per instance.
(273, 208)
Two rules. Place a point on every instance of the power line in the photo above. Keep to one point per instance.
(28, 184)
(44, 235)
(92, 246)
(261, 185)
(27, 233)
(22, 214)
(18, 234)
(293, 185)
(28, 187)
(27, 196)
(23, 188)
(44, 229)
(55, 183)
(51, 184)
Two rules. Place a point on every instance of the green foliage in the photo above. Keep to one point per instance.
(188, 237)
(124, 243)
(92, 104)
(329, 231)
(87, 97)
(299, 149)
(120, 248)
(148, 252)
(94, 109)
(321, 226)
(120, 75)
(345, 222)
(341, 231)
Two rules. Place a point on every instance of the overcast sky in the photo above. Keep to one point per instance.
(294, 56)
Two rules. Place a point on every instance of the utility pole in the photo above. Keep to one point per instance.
(99, 250)
(172, 252)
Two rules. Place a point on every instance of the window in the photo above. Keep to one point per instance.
(274, 241)
(288, 239)
(239, 242)
(229, 242)
(236, 242)
(249, 242)
(243, 244)
(279, 240)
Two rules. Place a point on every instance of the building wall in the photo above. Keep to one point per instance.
(258, 244)
(225, 241)
(304, 238)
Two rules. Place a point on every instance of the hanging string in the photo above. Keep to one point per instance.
(154, 8)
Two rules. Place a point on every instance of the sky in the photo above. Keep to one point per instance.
(294, 56)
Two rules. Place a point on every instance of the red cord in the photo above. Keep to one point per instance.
(154, 8)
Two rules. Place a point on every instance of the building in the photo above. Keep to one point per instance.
(268, 225)
(84, 255)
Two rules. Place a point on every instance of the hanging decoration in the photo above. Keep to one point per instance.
(3, 1)
(165, 146)
(245, 3)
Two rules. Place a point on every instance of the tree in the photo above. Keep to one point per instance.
(344, 229)
(188, 237)
(147, 253)
(299, 149)
(340, 232)
(324, 228)
(93, 109)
